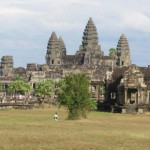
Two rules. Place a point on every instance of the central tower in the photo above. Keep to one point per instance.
(90, 49)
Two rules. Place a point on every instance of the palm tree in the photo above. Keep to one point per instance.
(113, 52)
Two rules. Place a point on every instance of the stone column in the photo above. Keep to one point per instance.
(139, 96)
(142, 97)
(97, 92)
(136, 98)
(147, 98)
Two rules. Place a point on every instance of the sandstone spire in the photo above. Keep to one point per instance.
(90, 35)
(62, 46)
(53, 49)
(123, 52)
(90, 50)
(53, 43)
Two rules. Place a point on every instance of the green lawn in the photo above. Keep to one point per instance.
(36, 130)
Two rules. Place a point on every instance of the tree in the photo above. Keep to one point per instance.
(113, 52)
(44, 89)
(19, 87)
(1, 86)
(93, 104)
(75, 95)
(59, 86)
(102, 92)
(102, 89)
(18, 78)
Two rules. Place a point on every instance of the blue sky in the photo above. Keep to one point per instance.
(26, 25)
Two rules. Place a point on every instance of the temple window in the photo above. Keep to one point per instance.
(113, 95)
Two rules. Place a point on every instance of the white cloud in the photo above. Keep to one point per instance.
(137, 21)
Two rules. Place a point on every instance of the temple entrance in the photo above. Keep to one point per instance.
(132, 96)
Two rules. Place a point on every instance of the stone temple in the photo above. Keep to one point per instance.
(124, 83)
(89, 54)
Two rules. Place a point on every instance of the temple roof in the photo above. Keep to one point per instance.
(62, 45)
(90, 35)
(53, 43)
(123, 44)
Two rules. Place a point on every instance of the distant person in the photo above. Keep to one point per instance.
(56, 117)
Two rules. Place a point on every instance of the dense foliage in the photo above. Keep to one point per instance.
(113, 52)
(1, 86)
(44, 89)
(19, 87)
(75, 95)
(102, 89)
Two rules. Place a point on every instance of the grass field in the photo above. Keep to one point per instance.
(36, 130)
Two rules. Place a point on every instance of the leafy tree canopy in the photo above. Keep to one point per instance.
(75, 95)
(102, 89)
(1, 86)
(18, 78)
(59, 86)
(44, 89)
(113, 52)
(19, 86)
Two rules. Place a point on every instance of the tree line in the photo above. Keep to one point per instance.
(72, 92)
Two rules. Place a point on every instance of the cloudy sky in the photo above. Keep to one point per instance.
(26, 25)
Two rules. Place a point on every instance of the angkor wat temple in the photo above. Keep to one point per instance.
(124, 82)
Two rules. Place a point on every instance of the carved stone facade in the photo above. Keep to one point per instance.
(129, 86)
(89, 52)
(122, 82)
(123, 52)
(55, 50)
(7, 67)
(135, 89)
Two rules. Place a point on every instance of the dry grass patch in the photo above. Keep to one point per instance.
(36, 130)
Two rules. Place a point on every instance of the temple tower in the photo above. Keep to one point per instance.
(62, 46)
(7, 65)
(53, 51)
(123, 52)
(90, 47)
(90, 35)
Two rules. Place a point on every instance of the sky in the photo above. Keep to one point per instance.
(26, 26)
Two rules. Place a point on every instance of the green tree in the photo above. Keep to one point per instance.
(75, 95)
(93, 104)
(18, 78)
(19, 87)
(59, 86)
(102, 89)
(113, 52)
(1, 86)
(44, 89)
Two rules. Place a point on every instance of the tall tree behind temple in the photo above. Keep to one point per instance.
(113, 52)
